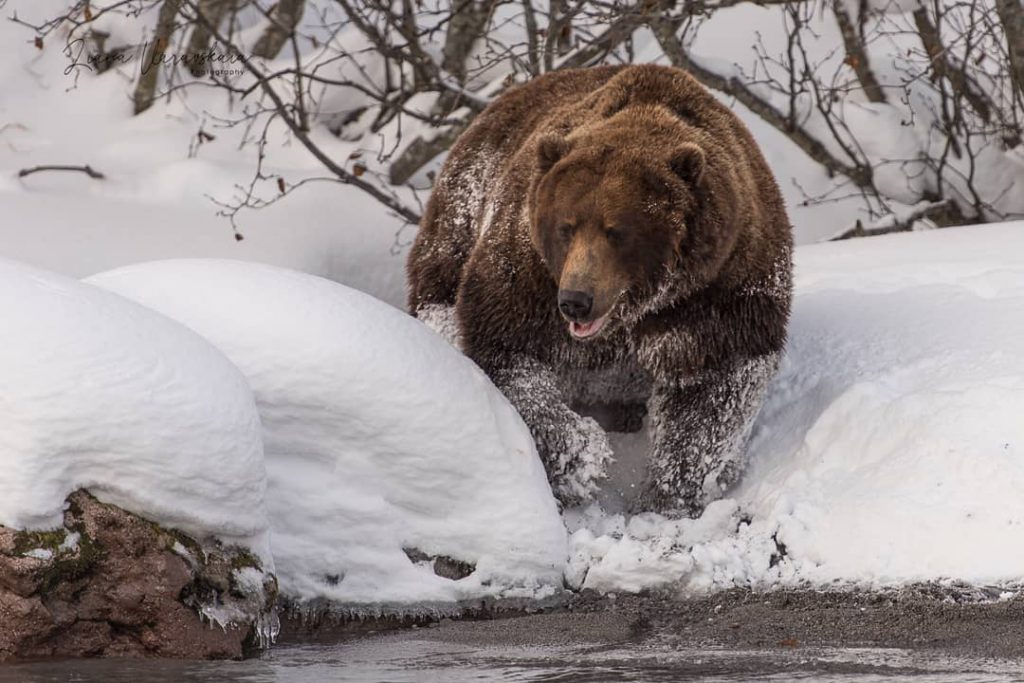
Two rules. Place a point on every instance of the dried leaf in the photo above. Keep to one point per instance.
(358, 169)
(39, 42)
(355, 155)
(87, 13)
(239, 237)
(280, 185)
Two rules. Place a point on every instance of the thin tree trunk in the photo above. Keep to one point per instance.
(467, 25)
(199, 42)
(559, 25)
(856, 54)
(145, 89)
(962, 84)
(285, 16)
(1011, 15)
(532, 31)
(420, 151)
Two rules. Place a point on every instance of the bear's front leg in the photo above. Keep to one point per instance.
(574, 449)
(699, 432)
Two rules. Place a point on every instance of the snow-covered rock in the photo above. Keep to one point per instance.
(111, 584)
(890, 448)
(380, 438)
(101, 393)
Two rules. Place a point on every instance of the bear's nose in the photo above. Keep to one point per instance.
(574, 305)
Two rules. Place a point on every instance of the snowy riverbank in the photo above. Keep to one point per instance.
(889, 451)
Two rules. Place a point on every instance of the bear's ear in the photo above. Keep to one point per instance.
(687, 162)
(550, 149)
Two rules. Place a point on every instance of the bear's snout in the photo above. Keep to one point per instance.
(575, 305)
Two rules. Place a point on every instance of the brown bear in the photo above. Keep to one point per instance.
(613, 237)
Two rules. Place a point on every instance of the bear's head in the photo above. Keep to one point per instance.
(609, 213)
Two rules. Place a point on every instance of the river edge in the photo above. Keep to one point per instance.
(956, 620)
(939, 634)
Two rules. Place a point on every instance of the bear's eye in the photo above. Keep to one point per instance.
(565, 230)
(615, 235)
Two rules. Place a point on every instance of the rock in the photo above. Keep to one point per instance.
(443, 566)
(109, 583)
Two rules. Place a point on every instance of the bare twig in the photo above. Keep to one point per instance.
(665, 33)
(285, 112)
(86, 169)
(899, 223)
(942, 67)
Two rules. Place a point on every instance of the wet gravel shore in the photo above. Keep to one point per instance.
(956, 620)
(928, 633)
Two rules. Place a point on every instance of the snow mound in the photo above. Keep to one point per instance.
(100, 393)
(380, 438)
(890, 448)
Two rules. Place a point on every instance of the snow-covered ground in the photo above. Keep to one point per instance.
(379, 436)
(891, 446)
(98, 392)
(889, 449)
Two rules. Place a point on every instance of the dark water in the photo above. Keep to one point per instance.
(418, 657)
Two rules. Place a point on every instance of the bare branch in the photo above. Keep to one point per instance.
(1011, 15)
(86, 169)
(665, 33)
(943, 212)
(931, 39)
(594, 52)
(467, 24)
(421, 151)
(145, 90)
(284, 111)
(285, 16)
(856, 55)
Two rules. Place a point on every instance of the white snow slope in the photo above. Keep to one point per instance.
(98, 392)
(890, 448)
(379, 437)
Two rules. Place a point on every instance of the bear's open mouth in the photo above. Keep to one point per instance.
(585, 330)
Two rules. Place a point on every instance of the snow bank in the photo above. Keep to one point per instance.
(890, 448)
(379, 437)
(155, 202)
(100, 393)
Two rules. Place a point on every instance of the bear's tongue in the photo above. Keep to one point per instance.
(584, 330)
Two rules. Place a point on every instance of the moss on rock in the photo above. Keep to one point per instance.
(110, 582)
